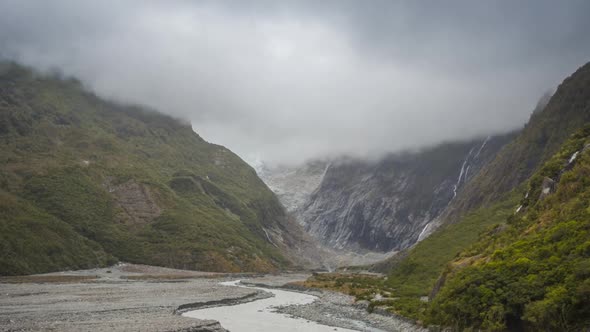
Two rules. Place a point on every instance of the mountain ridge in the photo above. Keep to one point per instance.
(133, 184)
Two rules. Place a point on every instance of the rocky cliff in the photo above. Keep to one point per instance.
(387, 204)
(354, 205)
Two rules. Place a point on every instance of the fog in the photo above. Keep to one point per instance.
(286, 81)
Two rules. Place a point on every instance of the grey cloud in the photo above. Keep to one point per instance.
(290, 80)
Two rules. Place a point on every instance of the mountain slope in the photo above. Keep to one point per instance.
(417, 272)
(533, 271)
(566, 111)
(120, 182)
(387, 204)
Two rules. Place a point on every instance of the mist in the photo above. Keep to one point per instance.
(289, 81)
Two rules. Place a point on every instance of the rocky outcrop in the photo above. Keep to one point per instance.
(547, 187)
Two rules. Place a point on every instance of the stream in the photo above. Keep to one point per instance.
(259, 315)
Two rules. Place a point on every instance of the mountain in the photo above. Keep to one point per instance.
(521, 221)
(86, 182)
(293, 185)
(552, 122)
(386, 204)
(533, 270)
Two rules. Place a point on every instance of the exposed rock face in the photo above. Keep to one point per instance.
(389, 204)
(547, 188)
(135, 201)
(294, 185)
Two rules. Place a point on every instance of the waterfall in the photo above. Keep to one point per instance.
(482, 146)
(422, 233)
(456, 186)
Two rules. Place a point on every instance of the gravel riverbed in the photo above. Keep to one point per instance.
(131, 297)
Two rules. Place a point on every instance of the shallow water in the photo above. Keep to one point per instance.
(258, 316)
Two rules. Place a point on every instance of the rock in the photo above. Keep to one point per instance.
(547, 187)
(388, 204)
(136, 202)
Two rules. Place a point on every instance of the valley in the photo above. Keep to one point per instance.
(258, 166)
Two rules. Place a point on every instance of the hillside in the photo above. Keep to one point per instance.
(86, 182)
(549, 126)
(533, 271)
(417, 272)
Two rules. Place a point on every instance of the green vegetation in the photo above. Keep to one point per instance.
(414, 275)
(47, 242)
(86, 182)
(418, 272)
(361, 286)
(535, 272)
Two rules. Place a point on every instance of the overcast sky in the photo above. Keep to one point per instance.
(284, 81)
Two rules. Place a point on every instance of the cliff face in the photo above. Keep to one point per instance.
(386, 205)
(383, 205)
(85, 182)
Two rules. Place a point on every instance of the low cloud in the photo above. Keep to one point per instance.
(290, 81)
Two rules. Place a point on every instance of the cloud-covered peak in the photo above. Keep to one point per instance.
(293, 80)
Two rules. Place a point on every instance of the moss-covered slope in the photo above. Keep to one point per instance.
(84, 182)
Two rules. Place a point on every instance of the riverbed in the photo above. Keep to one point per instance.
(129, 297)
(261, 315)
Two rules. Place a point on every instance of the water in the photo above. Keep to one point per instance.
(258, 316)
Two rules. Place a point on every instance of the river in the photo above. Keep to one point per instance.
(259, 315)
